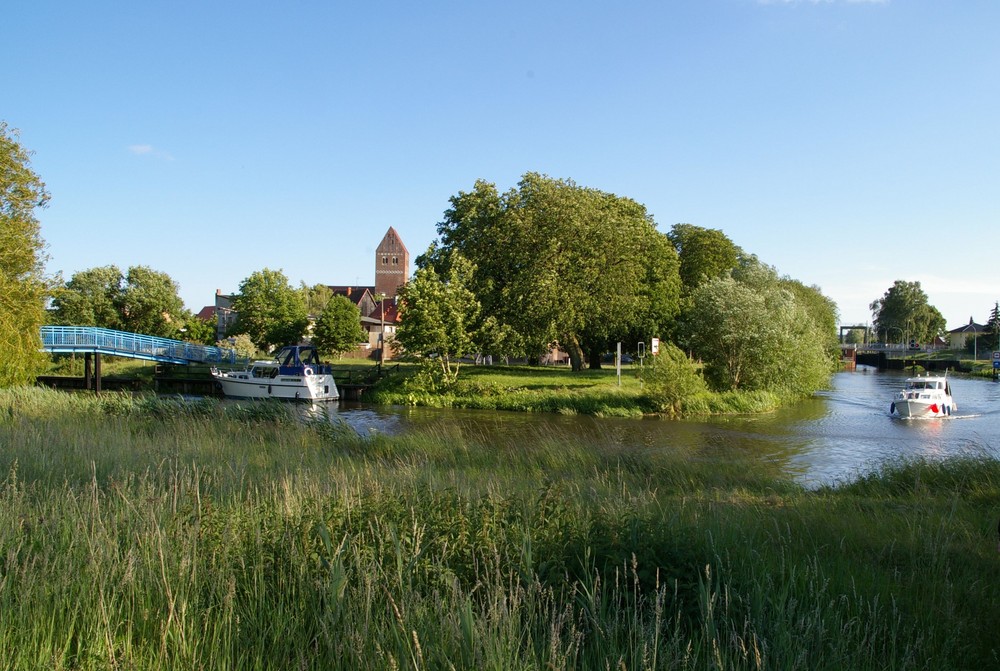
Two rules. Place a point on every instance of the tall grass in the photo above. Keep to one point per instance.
(141, 534)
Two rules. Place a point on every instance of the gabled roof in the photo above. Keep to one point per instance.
(971, 327)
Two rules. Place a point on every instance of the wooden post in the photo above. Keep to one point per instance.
(87, 371)
(97, 372)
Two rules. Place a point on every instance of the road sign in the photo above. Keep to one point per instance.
(996, 356)
(655, 349)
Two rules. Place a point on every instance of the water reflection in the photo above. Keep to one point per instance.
(841, 432)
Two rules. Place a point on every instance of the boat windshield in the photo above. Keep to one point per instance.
(925, 384)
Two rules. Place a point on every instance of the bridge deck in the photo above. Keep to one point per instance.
(91, 339)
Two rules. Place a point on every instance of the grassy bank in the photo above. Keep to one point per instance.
(142, 534)
(556, 390)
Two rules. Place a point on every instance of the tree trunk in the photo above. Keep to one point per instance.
(572, 346)
(594, 358)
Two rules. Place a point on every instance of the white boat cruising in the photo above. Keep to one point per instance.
(924, 396)
(295, 374)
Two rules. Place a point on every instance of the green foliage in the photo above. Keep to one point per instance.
(90, 298)
(558, 262)
(338, 328)
(672, 378)
(141, 301)
(438, 314)
(23, 288)
(241, 344)
(315, 297)
(753, 334)
(198, 331)
(270, 310)
(903, 312)
(704, 253)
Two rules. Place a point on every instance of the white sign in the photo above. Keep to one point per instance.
(655, 346)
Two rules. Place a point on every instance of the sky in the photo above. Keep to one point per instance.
(847, 143)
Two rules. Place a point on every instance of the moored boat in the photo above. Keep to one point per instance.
(294, 374)
(924, 396)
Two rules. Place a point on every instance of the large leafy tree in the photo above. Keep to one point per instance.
(705, 254)
(90, 298)
(141, 301)
(338, 328)
(439, 314)
(753, 334)
(269, 310)
(22, 285)
(149, 303)
(556, 262)
(904, 312)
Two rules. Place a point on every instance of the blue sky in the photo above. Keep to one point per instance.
(847, 143)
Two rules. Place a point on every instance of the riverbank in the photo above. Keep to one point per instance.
(146, 533)
(600, 393)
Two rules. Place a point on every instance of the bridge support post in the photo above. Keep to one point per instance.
(92, 371)
(97, 372)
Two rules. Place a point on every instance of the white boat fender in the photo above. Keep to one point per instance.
(308, 371)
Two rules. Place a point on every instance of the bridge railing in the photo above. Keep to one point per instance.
(68, 339)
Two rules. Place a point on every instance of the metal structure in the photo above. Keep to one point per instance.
(94, 340)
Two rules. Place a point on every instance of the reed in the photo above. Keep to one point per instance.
(141, 533)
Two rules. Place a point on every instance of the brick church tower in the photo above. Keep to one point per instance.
(392, 264)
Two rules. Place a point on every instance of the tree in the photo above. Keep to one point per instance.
(23, 287)
(555, 262)
(438, 314)
(993, 326)
(241, 344)
(90, 298)
(904, 313)
(752, 334)
(197, 330)
(338, 328)
(316, 297)
(149, 303)
(142, 301)
(269, 310)
(704, 253)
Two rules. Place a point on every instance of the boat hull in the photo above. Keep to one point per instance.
(909, 409)
(282, 387)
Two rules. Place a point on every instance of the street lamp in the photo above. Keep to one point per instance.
(381, 329)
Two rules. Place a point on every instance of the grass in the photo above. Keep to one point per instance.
(556, 390)
(145, 534)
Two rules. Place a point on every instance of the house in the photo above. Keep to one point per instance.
(957, 338)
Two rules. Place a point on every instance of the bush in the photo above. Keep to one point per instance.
(672, 378)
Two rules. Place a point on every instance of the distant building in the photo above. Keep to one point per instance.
(957, 338)
(392, 264)
(378, 318)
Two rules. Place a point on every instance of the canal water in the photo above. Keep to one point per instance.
(836, 435)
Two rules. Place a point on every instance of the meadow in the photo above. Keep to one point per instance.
(146, 533)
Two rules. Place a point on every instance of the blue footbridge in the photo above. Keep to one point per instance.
(92, 342)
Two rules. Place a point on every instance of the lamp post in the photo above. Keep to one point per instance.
(381, 329)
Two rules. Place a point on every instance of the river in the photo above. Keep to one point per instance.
(836, 435)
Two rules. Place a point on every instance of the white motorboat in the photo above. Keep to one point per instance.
(294, 374)
(924, 396)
